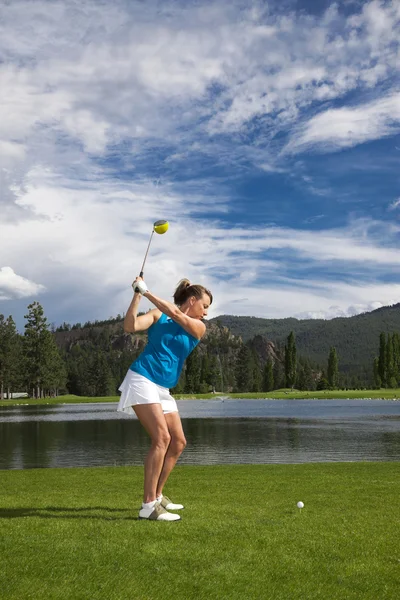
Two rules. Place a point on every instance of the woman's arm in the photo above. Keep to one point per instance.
(195, 327)
(134, 323)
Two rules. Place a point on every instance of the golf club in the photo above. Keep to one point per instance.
(159, 227)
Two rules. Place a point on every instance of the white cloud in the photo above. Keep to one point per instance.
(15, 286)
(337, 311)
(271, 168)
(332, 299)
(120, 73)
(345, 127)
(395, 204)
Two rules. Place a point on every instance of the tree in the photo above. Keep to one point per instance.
(290, 361)
(389, 363)
(377, 377)
(100, 379)
(323, 383)
(257, 375)
(392, 369)
(56, 372)
(396, 355)
(305, 379)
(268, 377)
(215, 378)
(244, 370)
(382, 359)
(41, 354)
(205, 373)
(279, 375)
(10, 356)
(193, 372)
(333, 370)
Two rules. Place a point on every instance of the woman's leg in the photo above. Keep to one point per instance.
(175, 448)
(154, 421)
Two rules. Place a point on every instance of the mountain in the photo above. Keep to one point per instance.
(356, 339)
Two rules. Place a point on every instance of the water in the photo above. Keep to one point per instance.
(218, 432)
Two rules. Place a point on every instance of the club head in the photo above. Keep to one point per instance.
(160, 226)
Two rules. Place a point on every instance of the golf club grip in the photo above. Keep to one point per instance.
(141, 274)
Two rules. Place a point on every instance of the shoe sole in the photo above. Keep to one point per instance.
(159, 520)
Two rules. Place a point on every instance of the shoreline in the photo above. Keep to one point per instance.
(393, 394)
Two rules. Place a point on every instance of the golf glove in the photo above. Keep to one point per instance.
(140, 287)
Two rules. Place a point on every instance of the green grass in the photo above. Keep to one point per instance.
(285, 394)
(324, 394)
(67, 399)
(72, 534)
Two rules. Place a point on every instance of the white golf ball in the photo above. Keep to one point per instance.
(300, 505)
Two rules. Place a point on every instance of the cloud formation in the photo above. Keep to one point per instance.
(15, 286)
(116, 114)
(345, 127)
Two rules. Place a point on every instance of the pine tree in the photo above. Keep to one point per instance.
(100, 379)
(305, 380)
(323, 383)
(244, 370)
(290, 361)
(215, 379)
(333, 371)
(10, 357)
(257, 375)
(279, 375)
(34, 348)
(40, 352)
(268, 377)
(382, 359)
(377, 377)
(193, 372)
(396, 352)
(56, 375)
(205, 372)
(389, 363)
(396, 358)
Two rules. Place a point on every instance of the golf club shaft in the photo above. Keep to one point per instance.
(145, 256)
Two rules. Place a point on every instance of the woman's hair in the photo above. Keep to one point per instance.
(185, 290)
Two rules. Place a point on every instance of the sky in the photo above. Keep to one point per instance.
(266, 133)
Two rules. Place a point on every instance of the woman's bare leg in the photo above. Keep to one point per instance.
(153, 420)
(175, 448)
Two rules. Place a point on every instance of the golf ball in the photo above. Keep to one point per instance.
(300, 505)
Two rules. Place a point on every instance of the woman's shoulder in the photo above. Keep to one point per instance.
(156, 314)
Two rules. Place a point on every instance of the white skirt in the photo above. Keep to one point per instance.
(137, 389)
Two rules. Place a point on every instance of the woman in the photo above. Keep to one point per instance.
(174, 331)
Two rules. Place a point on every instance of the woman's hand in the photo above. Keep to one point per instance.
(139, 286)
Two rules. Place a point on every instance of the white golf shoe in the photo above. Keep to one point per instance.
(168, 505)
(157, 513)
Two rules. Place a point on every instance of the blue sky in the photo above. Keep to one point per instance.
(266, 133)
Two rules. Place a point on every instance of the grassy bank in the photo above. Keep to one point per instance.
(73, 534)
(286, 394)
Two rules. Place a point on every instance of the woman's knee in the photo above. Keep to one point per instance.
(178, 444)
(162, 440)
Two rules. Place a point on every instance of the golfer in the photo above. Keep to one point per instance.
(174, 330)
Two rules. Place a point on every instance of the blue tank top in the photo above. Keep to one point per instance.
(167, 348)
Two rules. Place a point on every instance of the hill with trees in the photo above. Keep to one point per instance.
(243, 354)
(356, 339)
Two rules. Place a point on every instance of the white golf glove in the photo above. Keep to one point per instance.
(140, 287)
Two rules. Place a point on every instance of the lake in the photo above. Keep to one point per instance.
(220, 431)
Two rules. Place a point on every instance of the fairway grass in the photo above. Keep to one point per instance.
(73, 534)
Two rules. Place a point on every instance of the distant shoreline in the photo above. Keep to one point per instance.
(382, 394)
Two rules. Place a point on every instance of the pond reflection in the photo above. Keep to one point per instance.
(95, 435)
